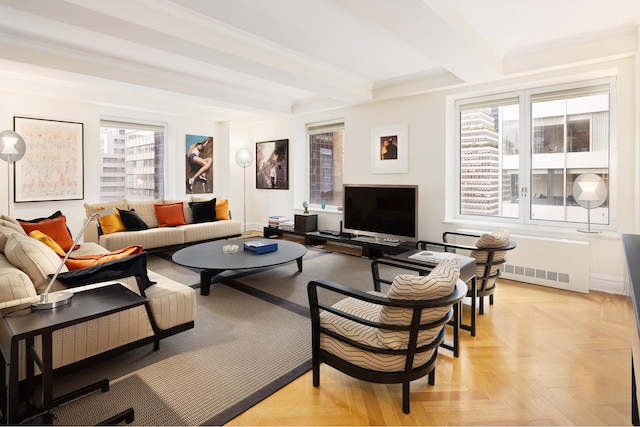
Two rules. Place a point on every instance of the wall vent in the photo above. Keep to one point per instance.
(558, 263)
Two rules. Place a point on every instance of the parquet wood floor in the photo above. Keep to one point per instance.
(541, 357)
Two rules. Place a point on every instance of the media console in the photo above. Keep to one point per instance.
(371, 247)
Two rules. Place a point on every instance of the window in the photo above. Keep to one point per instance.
(131, 161)
(519, 153)
(326, 150)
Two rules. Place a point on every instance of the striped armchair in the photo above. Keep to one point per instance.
(380, 338)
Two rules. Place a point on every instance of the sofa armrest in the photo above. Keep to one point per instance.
(91, 233)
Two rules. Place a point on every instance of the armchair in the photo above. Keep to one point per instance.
(489, 251)
(380, 338)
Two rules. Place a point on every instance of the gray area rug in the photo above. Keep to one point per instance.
(252, 337)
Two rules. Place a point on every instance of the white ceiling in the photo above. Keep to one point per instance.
(296, 56)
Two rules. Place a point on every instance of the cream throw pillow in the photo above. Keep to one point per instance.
(34, 258)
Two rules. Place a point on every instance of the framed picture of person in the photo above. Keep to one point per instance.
(199, 164)
(272, 164)
(390, 149)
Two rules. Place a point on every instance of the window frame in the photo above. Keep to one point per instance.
(524, 97)
(317, 128)
(125, 123)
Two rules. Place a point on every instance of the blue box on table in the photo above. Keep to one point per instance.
(260, 247)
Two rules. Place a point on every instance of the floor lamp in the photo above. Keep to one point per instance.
(589, 191)
(244, 158)
(12, 149)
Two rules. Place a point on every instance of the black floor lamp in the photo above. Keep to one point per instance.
(244, 158)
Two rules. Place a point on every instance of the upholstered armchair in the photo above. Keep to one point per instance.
(385, 338)
(489, 251)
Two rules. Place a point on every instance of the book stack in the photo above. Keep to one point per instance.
(277, 221)
(260, 247)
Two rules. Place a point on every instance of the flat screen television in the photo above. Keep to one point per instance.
(381, 211)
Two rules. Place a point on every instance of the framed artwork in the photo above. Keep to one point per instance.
(199, 164)
(53, 165)
(272, 164)
(390, 149)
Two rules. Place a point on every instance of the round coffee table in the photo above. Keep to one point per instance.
(211, 260)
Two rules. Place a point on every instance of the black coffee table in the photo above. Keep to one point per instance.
(211, 260)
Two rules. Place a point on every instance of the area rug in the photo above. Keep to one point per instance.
(252, 337)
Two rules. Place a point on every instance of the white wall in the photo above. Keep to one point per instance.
(430, 160)
(431, 163)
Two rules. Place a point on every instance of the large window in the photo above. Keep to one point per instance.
(131, 161)
(326, 149)
(519, 153)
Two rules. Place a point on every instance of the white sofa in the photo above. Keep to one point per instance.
(156, 237)
(25, 266)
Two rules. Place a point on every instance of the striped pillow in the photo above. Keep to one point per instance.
(496, 239)
(437, 284)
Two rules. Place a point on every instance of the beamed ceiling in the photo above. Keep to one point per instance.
(296, 56)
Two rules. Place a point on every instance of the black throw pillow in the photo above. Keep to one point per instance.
(134, 265)
(203, 211)
(132, 221)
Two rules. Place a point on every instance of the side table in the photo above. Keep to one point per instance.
(22, 323)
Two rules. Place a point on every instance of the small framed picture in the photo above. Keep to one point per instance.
(272, 164)
(390, 149)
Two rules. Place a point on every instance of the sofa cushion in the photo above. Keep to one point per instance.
(203, 211)
(131, 220)
(92, 208)
(40, 236)
(14, 283)
(210, 230)
(186, 210)
(151, 238)
(170, 215)
(34, 258)
(111, 223)
(146, 210)
(83, 261)
(7, 221)
(5, 232)
(55, 227)
(171, 303)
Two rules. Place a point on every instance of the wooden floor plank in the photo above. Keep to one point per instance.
(541, 356)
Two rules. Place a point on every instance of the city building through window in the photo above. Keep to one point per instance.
(520, 153)
(132, 161)
(326, 151)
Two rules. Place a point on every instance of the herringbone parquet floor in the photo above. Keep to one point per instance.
(541, 356)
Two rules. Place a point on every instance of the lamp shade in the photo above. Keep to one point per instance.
(12, 146)
(244, 157)
(589, 190)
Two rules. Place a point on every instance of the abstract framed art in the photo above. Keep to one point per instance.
(272, 164)
(390, 149)
(53, 166)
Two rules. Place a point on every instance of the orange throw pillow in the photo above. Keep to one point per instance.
(56, 228)
(222, 209)
(111, 223)
(170, 215)
(82, 261)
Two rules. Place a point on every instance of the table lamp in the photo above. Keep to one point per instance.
(58, 299)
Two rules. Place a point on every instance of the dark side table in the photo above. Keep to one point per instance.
(22, 323)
